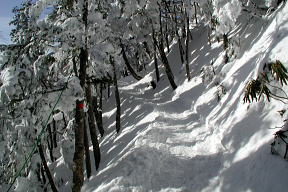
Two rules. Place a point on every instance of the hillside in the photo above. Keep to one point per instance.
(201, 137)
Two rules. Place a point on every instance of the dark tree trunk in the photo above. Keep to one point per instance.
(165, 59)
(92, 127)
(155, 56)
(181, 50)
(195, 8)
(117, 97)
(78, 177)
(50, 142)
(147, 48)
(167, 37)
(225, 46)
(87, 151)
(128, 65)
(183, 13)
(43, 174)
(98, 109)
(46, 168)
(54, 133)
(167, 66)
(75, 67)
(187, 48)
(108, 90)
(64, 119)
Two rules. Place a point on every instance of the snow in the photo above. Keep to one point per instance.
(200, 137)
(188, 140)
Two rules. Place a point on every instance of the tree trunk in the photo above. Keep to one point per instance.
(46, 168)
(108, 90)
(181, 50)
(225, 47)
(54, 133)
(167, 37)
(195, 8)
(155, 56)
(43, 175)
(87, 151)
(92, 127)
(187, 48)
(164, 58)
(98, 109)
(64, 119)
(128, 65)
(117, 97)
(147, 48)
(78, 177)
(167, 66)
(50, 142)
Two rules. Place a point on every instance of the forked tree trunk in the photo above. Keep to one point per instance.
(128, 65)
(117, 97)
(46, 168)
(164, 58)
(92, 127)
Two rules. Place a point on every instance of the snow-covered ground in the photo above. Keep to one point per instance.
(200, 137)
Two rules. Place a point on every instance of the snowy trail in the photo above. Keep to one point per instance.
(189, 140)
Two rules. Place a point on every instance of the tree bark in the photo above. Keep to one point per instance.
(87, 151)
(155, 56)
(225, 47)
(46, 168)
(54, 133)
(187, 48)
(64, 120)
(92, 127)
(98, 109)
(167, 37)
(165, 59)
(181, 50)
(195, 8)
(128, 65)
(78, 177)
(117, 97)
(50, 142)
(108, 90)
(163, 56)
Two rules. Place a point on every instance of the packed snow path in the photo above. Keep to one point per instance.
(188, 140)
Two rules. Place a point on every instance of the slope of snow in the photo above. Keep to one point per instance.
(201, 137)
